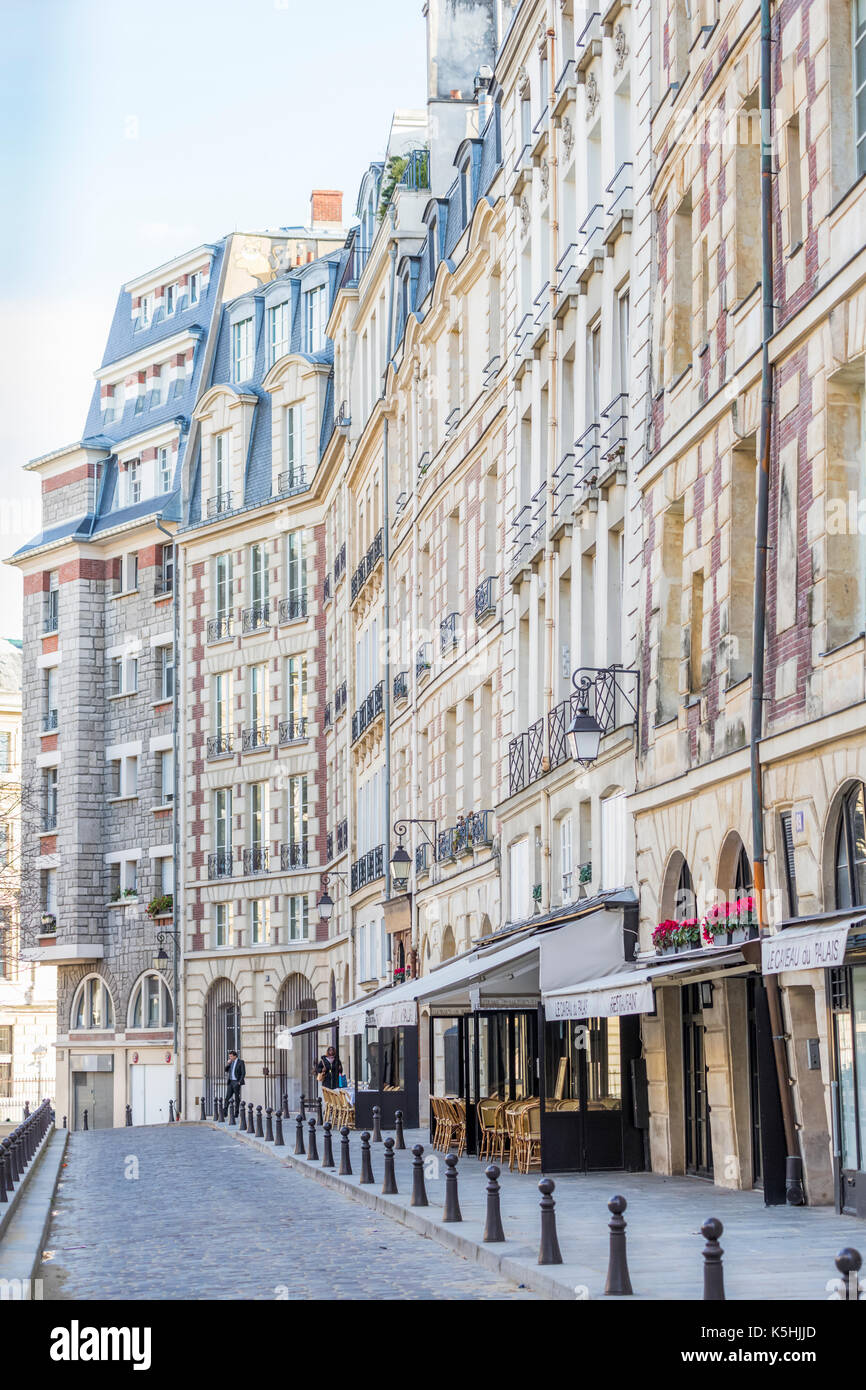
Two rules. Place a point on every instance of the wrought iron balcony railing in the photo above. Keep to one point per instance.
(421, 858)
(485, 599)
(220, 745)
(218, 629)
(613, 440)
(163, 584)
(293, 480)
(49, 820)
(329, 846)
(374, 553)
(326, 588)
(256, 860)
(368, 868)
(563, 492)
(255, 738)
(470, 832)
(423, 660)
(49, 721)
(293, 730)
(538, 523)
(328, 718)
(220, 864)
(293, 608)
(342, 836)
(401, 685)
(341, 699)
(294, 854)
(217, 506)
(520, 536)
(340, 564)
(608, 695)
(370, 707)
(448, 634)
(255, 618)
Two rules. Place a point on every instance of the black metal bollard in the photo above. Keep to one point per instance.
(233, 1114)
(345, 1170)
(269, 1127)
(419, 1191)
(549, 1252)
(299, 1136)
(129, 1116)
(303, 1106)
(493, 1225)
(376, 1136)
(848, 1262)
(366, 1164)
(64, 1121)
(3, 1197)
(203, 1109)
(327, 1148)
(452, 1210)
(399, 1141)
(618, 1281)
(319, 1116)
(714, 1278)
(389, 1186)
(242, 1123)
(312, 1147)
(171, 1112)
(279, 1141)
(286, 1115)
(85, 1119)
(260, 1133)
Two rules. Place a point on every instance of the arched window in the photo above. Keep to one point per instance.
(850, 862)
(684, 897)
(151, 1005)
(92, 1007)
(743, 882)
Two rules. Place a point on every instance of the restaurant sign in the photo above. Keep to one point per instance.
(796, 949)
(600, 1003)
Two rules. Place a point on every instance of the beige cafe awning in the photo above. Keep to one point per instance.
(809, 947)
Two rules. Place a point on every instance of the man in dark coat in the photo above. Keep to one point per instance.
(236, 1072)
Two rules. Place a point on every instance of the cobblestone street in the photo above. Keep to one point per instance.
(187, 1213)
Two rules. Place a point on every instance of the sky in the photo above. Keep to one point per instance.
(131, 132)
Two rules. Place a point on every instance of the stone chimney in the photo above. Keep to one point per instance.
(326, 208)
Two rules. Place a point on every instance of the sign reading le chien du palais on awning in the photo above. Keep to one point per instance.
(796, 949)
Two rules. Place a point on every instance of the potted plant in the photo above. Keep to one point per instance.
(161, 906)
(664, 937)
(688, 934)
(742, 920)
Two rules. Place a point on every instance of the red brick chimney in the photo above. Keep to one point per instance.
(326, 207)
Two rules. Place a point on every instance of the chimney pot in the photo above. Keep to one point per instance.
(326, 207)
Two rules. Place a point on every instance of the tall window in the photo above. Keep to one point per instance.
(259, 695)
(259, 926)
(296, 688)
(194, 287)
(49, 795)
(684, 897)
(850, 863)
(223, 585)
(166, 777)
(133, 482)
(145, 311)
(5, 750)
(222, 702)
(52, 602)
(222, 924)
(170, 296)
(296, 569)
(258, 574)
(92, 1008)
(297, 810)
(163, 465)
(222, 478)
(151, 1004)
(279, 329)
(566, 862)
(295, 444)
(593, 379)
(242, 350)
(315, 317)
(258, 814)
(166, 672)
(223, 820)
(299, 926)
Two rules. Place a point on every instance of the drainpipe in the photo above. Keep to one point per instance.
(552, 455)
(175, 610)
(793, 1163)
(386, 562)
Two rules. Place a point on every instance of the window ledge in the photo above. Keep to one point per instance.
(124, 902)
(124, 593)
(164, 806)
(122, 694)
(125, 796)
(163, 700)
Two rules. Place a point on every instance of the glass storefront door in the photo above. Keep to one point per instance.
(848, 1001)
(582, 1112)
(699, 1149)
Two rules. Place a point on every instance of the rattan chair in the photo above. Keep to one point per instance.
(487, 1109)
(456, 1125)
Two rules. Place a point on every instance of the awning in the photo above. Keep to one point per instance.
(631, 991)
(808, 948)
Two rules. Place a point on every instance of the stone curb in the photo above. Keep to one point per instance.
(25, 1223)
(510, 1261)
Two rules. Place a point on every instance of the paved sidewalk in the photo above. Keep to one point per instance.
(770, 1252)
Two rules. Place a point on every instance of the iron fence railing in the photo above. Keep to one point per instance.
(219, 628)
(371, 706)
(485, 599)
(373, 555)
(293, 608)
(219, 745)
(293, 480)
(256, 860)
(448, 634)
(218, 505)
(368, 868)
(220, 864)
(401, 685)
(292, 730)
(255, 617)
(259, 736)
(294, 854)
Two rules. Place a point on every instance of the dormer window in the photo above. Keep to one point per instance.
(170, 294)
(279, 327)
(145, 311)
(431, 250)
(133, 482)
(242, 350)
(194, 287)
(314, 319)
(163, 469)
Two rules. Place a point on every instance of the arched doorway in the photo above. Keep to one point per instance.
(290, 1072)
(222, 1033)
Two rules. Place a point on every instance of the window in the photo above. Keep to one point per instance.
(684, 895)
(222, 480)
(126, 581)
(163, 469)
(223, 585)
(145, 311)
(850, 864)
(258, 574)
(613, 828)
(297, 810)
(258, 814)
(296, 688)
(222, 702)
(566, 861)
(49, 892)
(259, 696)
(151, 1004)
(222, 924)
(259, 925)
(92, 1008)
(279, 329)
(294, 444)
(49, 798)
(52, 602)
(593, 378)
(194, 287)
(298, 911)
(296, 569)
(860, 84)
(682, 286)
(122, 879)
(790, 862)
(223, 820)
(123, 776)
(166, 673)
(242, 350)
(6, 1039)
(518, 880)
(165, 874)
(167, 568)
(166, 777)
(5, 747)
(170, 294)
(315, 317)
(747, 221)
(123, 676)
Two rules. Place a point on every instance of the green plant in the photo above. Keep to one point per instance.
(161, 905)
(130, 892)
(394, 171)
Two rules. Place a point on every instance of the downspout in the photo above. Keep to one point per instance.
(175, 962)
(552, 444)
(794, 1162)
(386, 561)
(413, 637)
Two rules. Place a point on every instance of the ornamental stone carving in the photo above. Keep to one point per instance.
(567, 137)
(545, 178)
(620, 48)
(524, 215)
(592, 96)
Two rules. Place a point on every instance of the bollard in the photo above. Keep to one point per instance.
(233, 1114)
(64, 1121)
(366, 1164)
(376, 1136)
(299, 1136)
(128, 1116)
(312, 1148)
(714, 1279)
(419, 1191)
(452, 1206)
(327, 1149)
(389, 1186)
(279, 1141)
(286, 1115)
(203, 1110)
(269, 1127)
(303, 1106)
(318, 1109)
(260, 1133)
(549, 1252)
(493, 1225)
(345, 1170)
(242, 1126)
(171, 1112)
(85, 1119)
(3, 1197)
(399, 1141)
(618, 1281)
(848, 1263)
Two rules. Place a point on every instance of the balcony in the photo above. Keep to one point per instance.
(368, 868)
(563, 496)
(256, 860)
(51, 621)
(448, 634)
(326, 589)
(292, 731)
(401, 686)
(526, 757)
(342, 837)
(541, 319)
(424, 462)
(523, 336)
(220, 746)
(423, 661)
(220, 864)
(540, 134)
(620, 203)
(219, 629)
(255, 618)
(374, 554)
(293, 480)
(49, 821)
(519, 540)
(485, 600)
(421, 865)
(341, 698)
(452, 420)
(608, 694)
(565, 91)
(293, 608)
(219, 505)
(613, 438)
(369, 709)
(491, 372)
(50, 721)
(567, 282)
(538, 521)
(294, 854)
(586, 464)
(522, 167)
(329, 846)
(253, 740)
(163, 584)
(471, 831)
(328, 717)
(590, 244)
(588, 43)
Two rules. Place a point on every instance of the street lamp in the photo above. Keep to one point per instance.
(401, 861)
(326, 902)
(584, 731)
(162, 960)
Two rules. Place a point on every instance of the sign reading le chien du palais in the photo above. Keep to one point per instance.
(804, 950)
